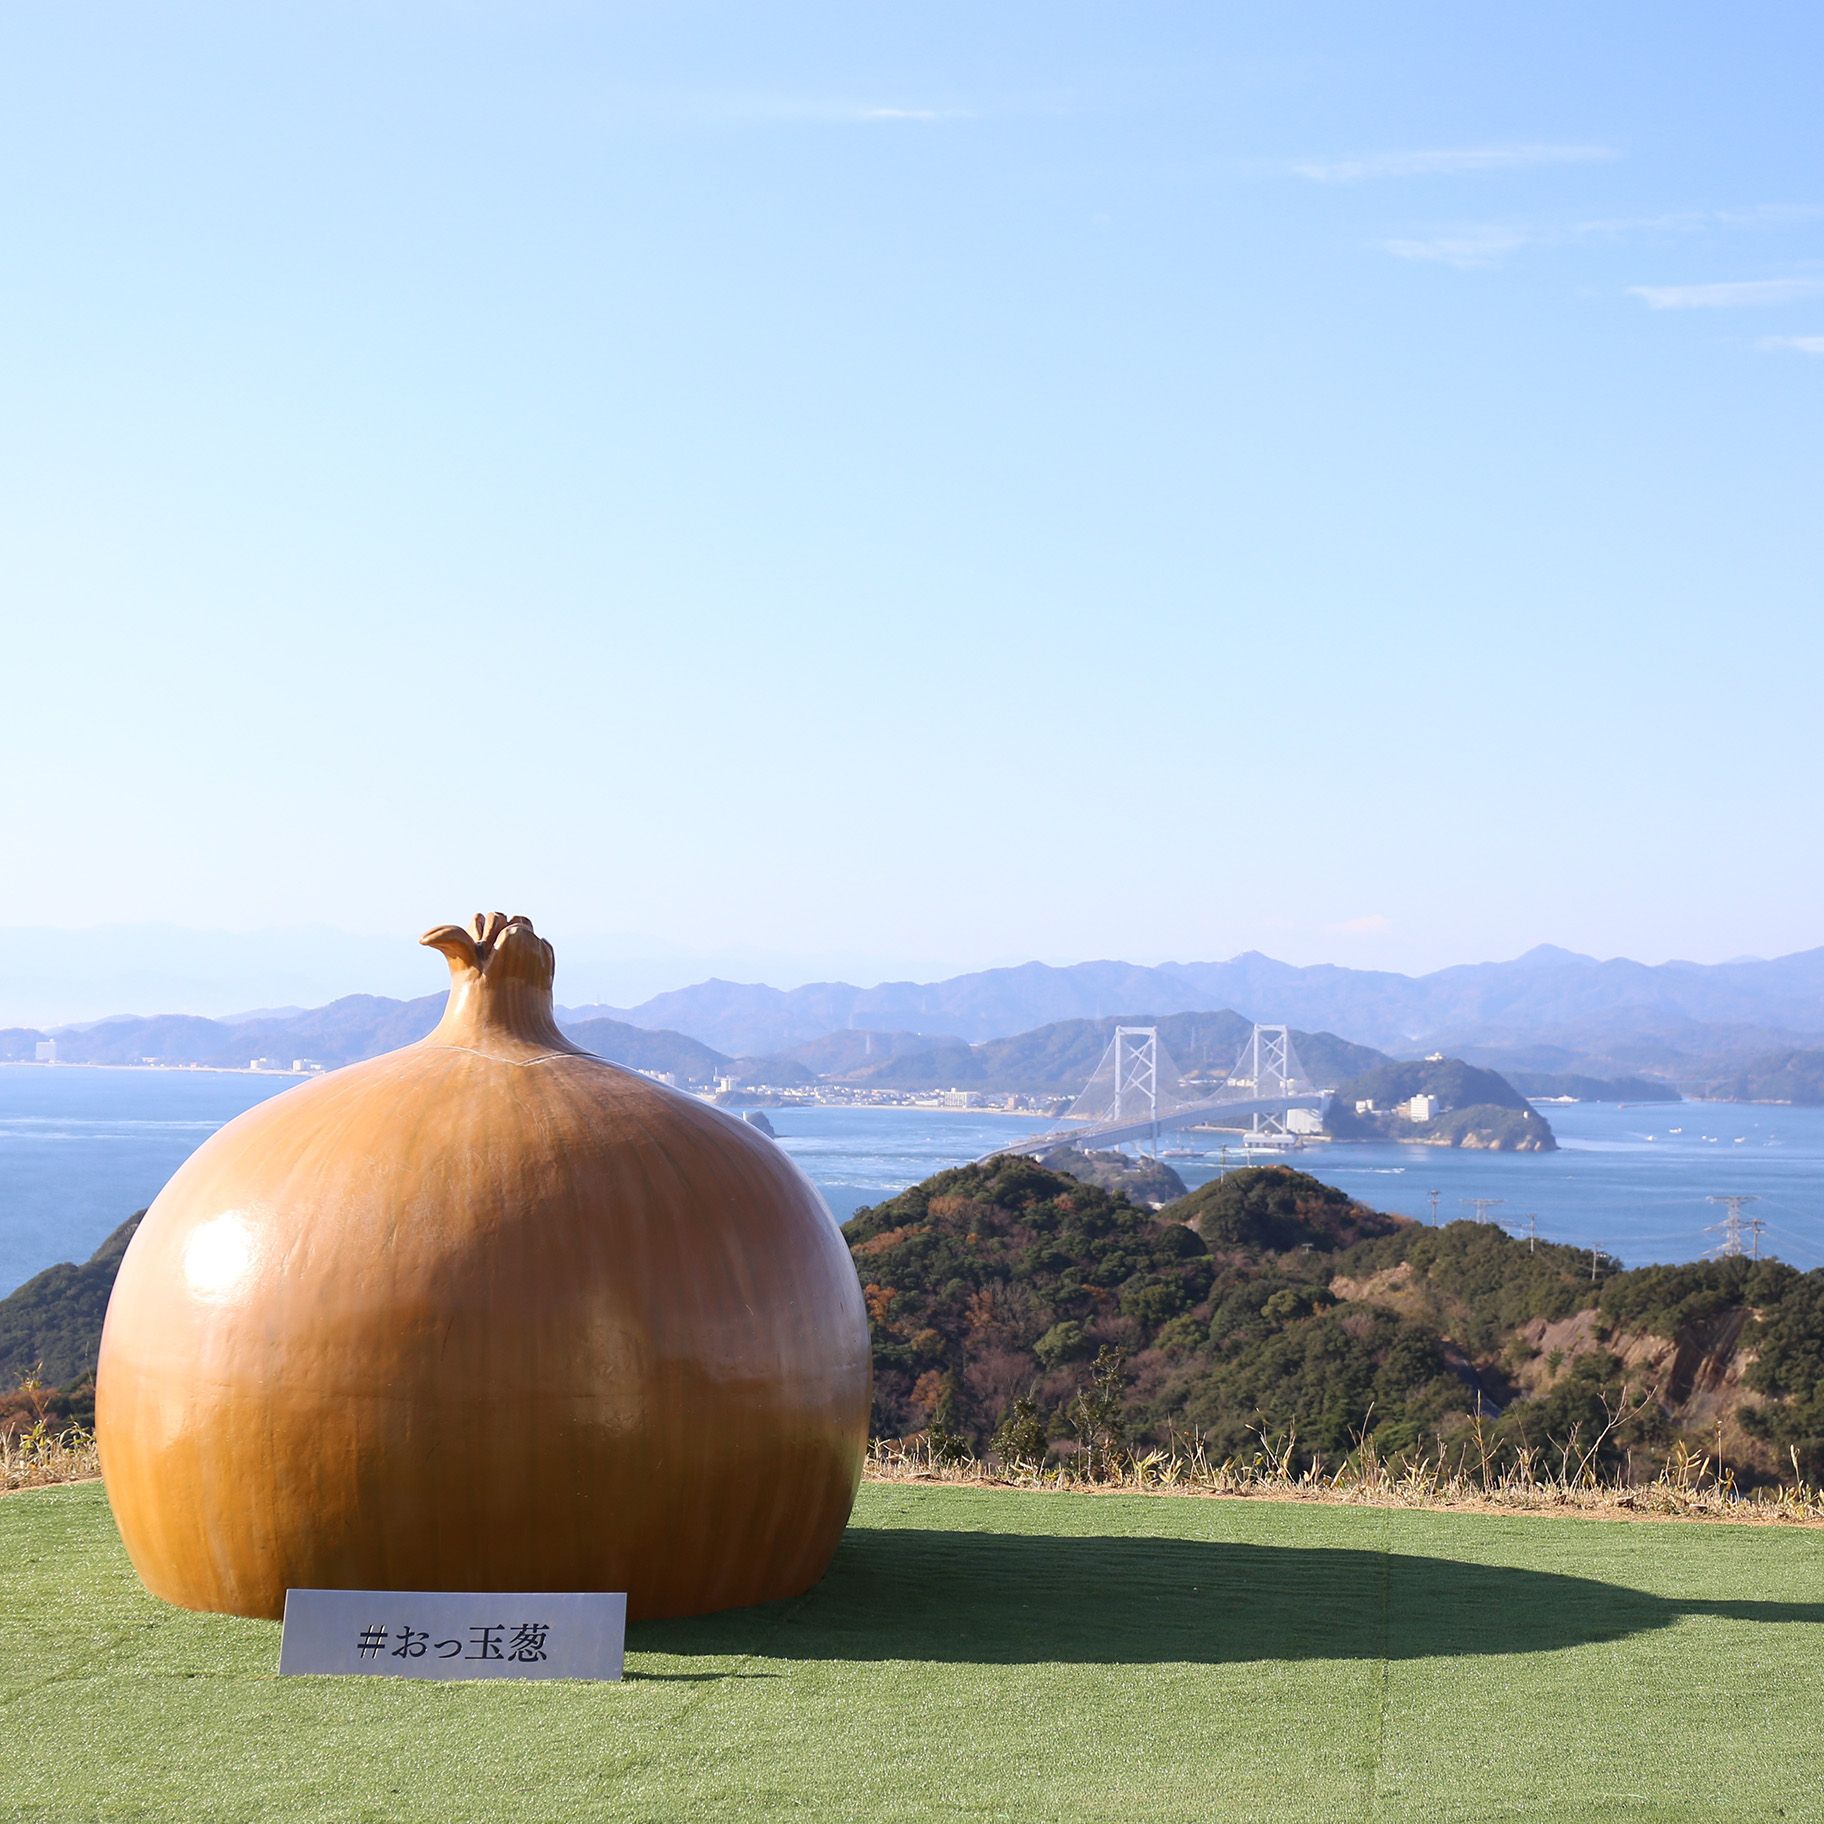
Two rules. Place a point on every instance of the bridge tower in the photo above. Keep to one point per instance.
(1268, 1068)
(1137, 1084)
(1136, 1073)
(1137, 1091)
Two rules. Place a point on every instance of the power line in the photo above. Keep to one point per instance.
(1482, 1205)
(1791, 1212)
(1532, 1230)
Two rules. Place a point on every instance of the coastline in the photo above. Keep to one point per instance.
(896, 1108)
(212, 1070)
(241, 1070)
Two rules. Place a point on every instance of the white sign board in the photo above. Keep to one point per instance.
(454, 1634)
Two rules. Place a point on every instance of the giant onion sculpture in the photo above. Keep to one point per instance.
(486, 1313)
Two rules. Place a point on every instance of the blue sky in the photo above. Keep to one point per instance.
(843, 490)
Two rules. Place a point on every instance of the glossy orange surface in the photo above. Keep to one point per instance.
(485, 1313)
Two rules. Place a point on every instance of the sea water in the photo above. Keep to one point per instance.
(82, 1148)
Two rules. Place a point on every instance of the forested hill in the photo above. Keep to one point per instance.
(1060, 1058)
(1785, 1076)
(1469, 1107)
(1581, 1088)
(51, 1325)
(1007, 1293)
(1266, 1299)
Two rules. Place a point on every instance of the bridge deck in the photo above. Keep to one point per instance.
(1113, 1134)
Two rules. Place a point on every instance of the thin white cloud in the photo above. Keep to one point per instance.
(905, 114)
(1731, 294)
(790, 110)
(1445, 161)
(1365, 926)
(1804, 345)
(1466, 249)
(1481, 244)
(1694, 221)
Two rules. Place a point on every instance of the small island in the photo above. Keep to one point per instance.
(1438, 1102)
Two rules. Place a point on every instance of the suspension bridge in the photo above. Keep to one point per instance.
(1138, 1092)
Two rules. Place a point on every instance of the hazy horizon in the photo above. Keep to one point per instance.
(135, 970)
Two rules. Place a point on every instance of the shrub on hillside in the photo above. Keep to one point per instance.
(1006, 1276)
(1477, 1281)
(1272, 1207)
(1667, 1300)
(1788, 1340)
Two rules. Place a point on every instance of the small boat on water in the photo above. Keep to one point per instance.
(1675, 1130)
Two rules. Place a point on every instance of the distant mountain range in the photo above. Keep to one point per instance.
(1058, 1059)
(1617, 1014)
(1549, 1013)
(1054, 1059)
(355, 1027)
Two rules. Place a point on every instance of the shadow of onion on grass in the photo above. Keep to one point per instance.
(1019, 1599)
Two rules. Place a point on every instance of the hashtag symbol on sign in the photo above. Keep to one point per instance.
(371, 1641)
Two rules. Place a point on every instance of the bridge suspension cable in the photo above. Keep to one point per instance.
(1137, 1090)
(1137, 1080)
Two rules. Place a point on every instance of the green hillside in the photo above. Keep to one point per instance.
(1007, 1292)
(1268, 1299)
(52, 1323)
(1781, 1076)
(1059, 1059)
(1150, 1183)
(1018, 1657)
(1582, 1088)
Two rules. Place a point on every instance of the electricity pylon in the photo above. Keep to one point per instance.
(1731, 1228)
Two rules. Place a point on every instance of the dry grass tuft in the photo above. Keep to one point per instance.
(33, 1455)
(1560, 1479)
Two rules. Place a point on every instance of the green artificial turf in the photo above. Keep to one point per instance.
(991, 1655)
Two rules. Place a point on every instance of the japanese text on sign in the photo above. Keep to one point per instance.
(454, 1634)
